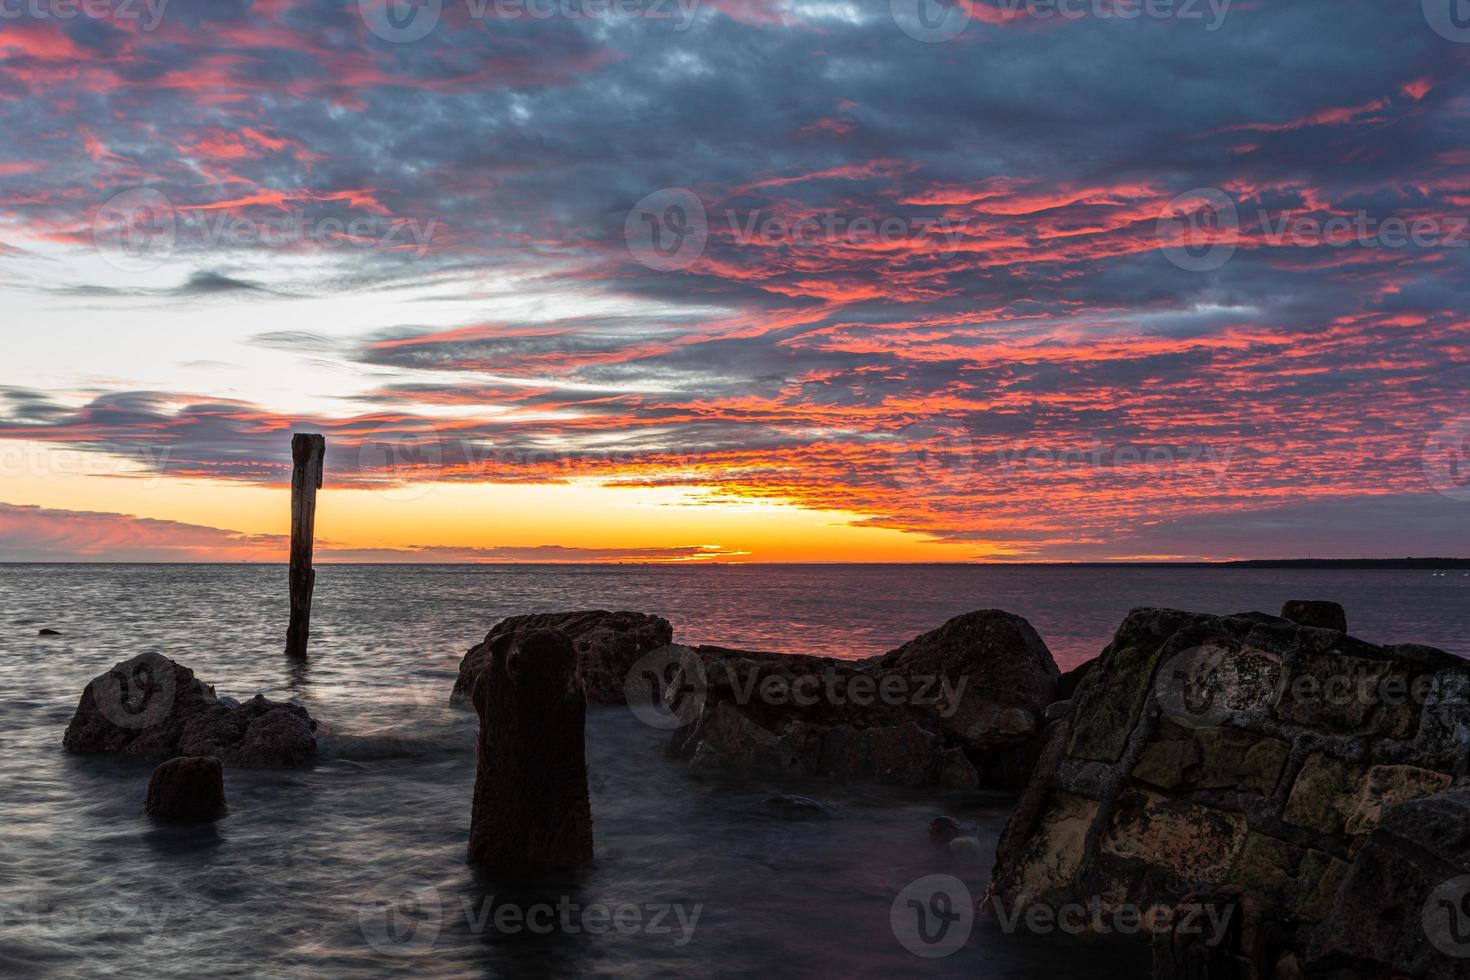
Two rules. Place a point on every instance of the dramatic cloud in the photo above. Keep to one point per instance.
(1060, 287)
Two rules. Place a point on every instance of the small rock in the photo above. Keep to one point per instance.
(49, 632)
(1322, 615)
(189, 789)
(1057, 710)
(945, 828)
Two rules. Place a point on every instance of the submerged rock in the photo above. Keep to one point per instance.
(1292, 772)
(1323, 615)
(607, 645)
(933, 712)
(154, 708)
(531, 805)
(189, 789)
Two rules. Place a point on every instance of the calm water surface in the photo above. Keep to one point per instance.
(291, 883)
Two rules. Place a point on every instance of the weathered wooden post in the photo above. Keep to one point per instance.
(307, 453)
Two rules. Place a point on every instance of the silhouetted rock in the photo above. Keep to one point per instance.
(188, 789)
(1071, 680)
(154, 708)
(1293, 772)
(49, 632)
(935, 711)
(1323, 615)
(607, 644)
(531, 807)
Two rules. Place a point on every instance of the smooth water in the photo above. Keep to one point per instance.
(355, 867)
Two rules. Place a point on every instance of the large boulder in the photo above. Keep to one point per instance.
(938, 710)
(607, 644)
(1001, 670)
(1404, 905)
(531, 805)
(1250, 761)
(154, 708)
(1314, 612)
(189, 789)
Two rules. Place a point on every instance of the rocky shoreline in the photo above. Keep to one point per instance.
(1304, 791)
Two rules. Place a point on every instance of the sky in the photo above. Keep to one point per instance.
(736, 280)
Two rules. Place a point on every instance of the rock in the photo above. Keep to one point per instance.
(1056, 711)
(1322, 615)
(531, 808)
(945, 828)
(607, 645)
(1402, 908)
(189, 789)
(933, 712)
(1299, 773)
(1069, 682)
(49, 632)
(154, 708)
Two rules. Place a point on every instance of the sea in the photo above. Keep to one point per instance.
(355, 867)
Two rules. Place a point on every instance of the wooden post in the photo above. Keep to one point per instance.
(307, 453)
